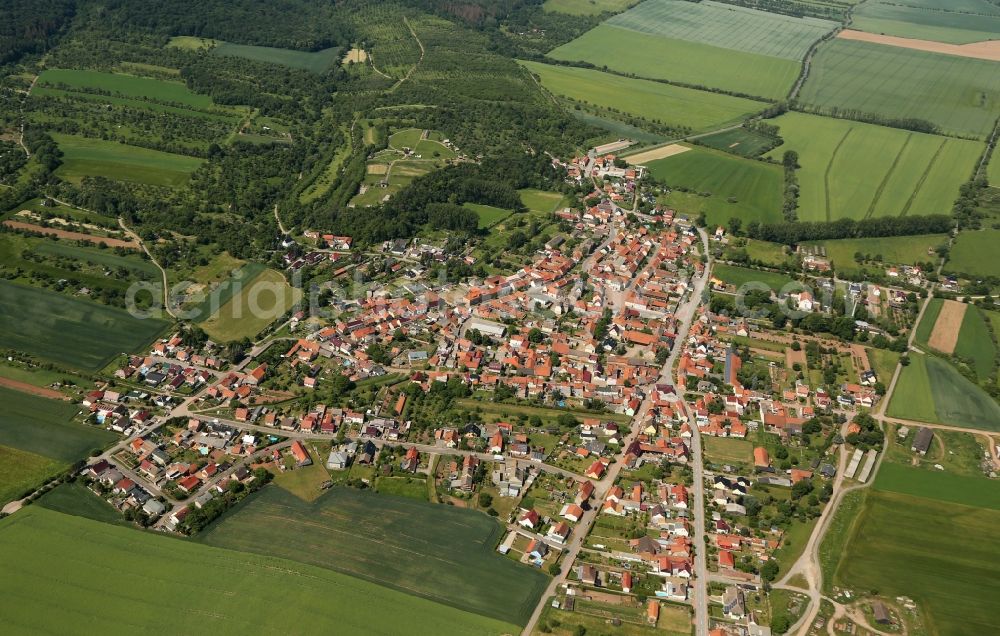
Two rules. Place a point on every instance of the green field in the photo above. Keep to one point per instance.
(163, 91)
(977, 491)
(762, 251)
(47, 556)
(97, 256)
(926, 325)
(653, 101)
(937, 553)
(441, 553)
(239, 276)
(72, 332)
(21, 471)
(84, 157)
(681, 61)
(744, 188)
(855, 170)
(884, 363)
(616, 129)
(586, 7)
(727, 26)
(974, 342)
(739, 276)
(931, 390)
(960, 95)
(42, 426)
(414, 487)
(264, 299)
(973, 253)
(739, 141)
(191, 43)
(74, 498)
(314, 61)
(408, 138)
(722, 449)
(954, 21)
(902, 250)
(541, 201)
(488, 215)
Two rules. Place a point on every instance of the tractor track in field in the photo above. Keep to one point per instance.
(923, 179)
(885, 179)
(829, 167)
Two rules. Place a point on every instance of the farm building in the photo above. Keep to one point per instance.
(922, 441)
(882, 616)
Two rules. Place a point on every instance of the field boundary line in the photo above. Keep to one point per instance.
(829, 167)
(923, 178)
(888, 175)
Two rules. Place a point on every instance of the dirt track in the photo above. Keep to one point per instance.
(24, 387)
(988, 50)
(946, 328)
(72, 236)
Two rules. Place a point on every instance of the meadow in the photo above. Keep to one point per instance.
(739, 141)
(411, 546)
(726, 26)
(586, 7)
(21, 471)
(855, 170)
(738, 276)
(975, 343)
(41, 592)
(654, 101)
(66, 260)
(953, 21)
(737, 187)
(488, 215)
(69, 331)
(972, 253)
(85, 157)
(931, 390)
(96, 256)
(939, 554)
(133, 86)
(721, 449)
(903, 250)
(541, 201)
(960, 95)
(43, 426)
(313, 61)
(260, 302)
(615, 130)
(683, 61)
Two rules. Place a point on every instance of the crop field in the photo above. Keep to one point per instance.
(314, 61)
(974, 342)
(654, 101)
(737, 187)
(931, 390)
(682, 61)
(855, 170)
(928, 321)
(954, 21)
(739, 141)
(43, 426)
(74, 498)
(973, 253)
(163, 91)
(976, 491)
(960, 95)
(902, 250)
(21, 471)
(84, 157)
(259, 303)
(615, 130)
(415, 547)
(488, 215)
(738, 276)
(72, 332)
(234, 275)
(586, 7)
(953, 581)
(41, 592)
(726, 26)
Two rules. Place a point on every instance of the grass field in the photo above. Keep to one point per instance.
(615, 129)
(169, 92)
(653, 101)
(42, 426)
(541, 201)
(884, 363)
(903, 250)
(855, 170)
(72, 332)
(96, 256)
(722, 449)
(928, 320)
(683, 61)
(978, 491)
(739, 141)
(960, 95)
(314, 61)
(408, 138)
(46, 555)
(952, 578)
(411, 487)
(260, 303)
(954, 21)
(931, 390)
(974, 342)
(972, 253)
(675, 620)
(586, 7)
(191, 43)
(84, 157)
(488, 215)
(76, 499)
(750, 190)
(21, 471)
(419, 548)
(738, 276)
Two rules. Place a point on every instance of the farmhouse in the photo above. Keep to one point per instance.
(922, 441)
